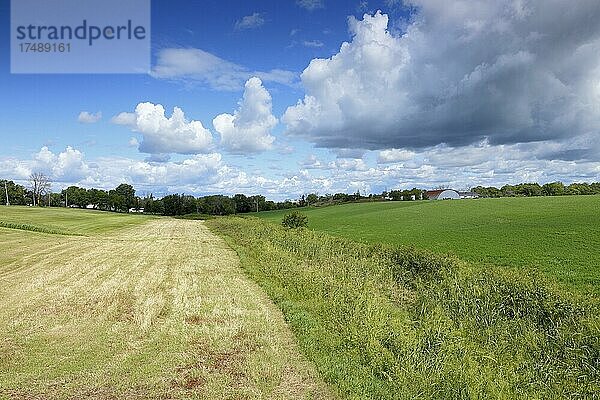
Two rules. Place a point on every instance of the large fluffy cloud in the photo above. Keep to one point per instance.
(162, 134)
(248, 129)
(463, 71)
(68, 165)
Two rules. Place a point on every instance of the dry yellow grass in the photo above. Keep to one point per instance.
(158, 310)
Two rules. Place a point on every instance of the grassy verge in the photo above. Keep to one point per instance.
(386, 322)
(559, 236)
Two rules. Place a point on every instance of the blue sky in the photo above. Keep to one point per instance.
(424, 93)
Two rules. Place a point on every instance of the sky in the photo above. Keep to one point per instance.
(285, 98)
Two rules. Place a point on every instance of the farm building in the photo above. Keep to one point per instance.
(468, 195)
(443, 194)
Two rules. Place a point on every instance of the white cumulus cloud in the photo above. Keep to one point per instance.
(124, 118)
(89, 118)
(460, 72)
(162, 134)
(248, 129)
(394, 155)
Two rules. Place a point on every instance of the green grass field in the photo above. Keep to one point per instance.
(557, 235)
(67, 221)
(382, 322)
(138, 308)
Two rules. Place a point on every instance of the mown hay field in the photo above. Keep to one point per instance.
(137, 307)
(559, 236)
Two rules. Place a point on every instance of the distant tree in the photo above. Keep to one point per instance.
(189, 204)
(217, 205)
(99, 198)
(287, 204)
(55, 200)
(395, 195)
(39, 185)
(508, 191)
(76, 196)
(116, 201)
(128, 195)
(312, 199)
(242, 203)
(342, 197)
(528, 189)
(172, 205)
(16, 193)
(151, 205)
(487, 191)
(580, 188)
(258, 202)
(553, 189)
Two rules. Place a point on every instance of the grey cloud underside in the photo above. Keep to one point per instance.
(505, 71)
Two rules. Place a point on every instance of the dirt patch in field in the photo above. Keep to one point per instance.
(229, 362)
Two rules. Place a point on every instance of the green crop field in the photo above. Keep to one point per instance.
(66, 221)
(557, 235)
(102, 305)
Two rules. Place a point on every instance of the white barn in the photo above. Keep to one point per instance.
(443, 194)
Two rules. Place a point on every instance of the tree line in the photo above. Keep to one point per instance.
(535, 189)
(123, 198)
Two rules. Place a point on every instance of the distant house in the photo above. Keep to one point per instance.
(136, 210)
(443, 194)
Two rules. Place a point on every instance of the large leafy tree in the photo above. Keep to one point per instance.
(128, 195)
(16, 193)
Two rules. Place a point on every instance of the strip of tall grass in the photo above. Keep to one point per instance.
(400, 323)
(35, 228)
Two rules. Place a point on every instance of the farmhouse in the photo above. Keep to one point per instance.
(443, 194)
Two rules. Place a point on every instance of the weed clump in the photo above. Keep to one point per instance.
(295, 219)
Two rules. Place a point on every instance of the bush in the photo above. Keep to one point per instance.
(295, 220)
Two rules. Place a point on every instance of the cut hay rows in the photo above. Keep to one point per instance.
(160, 309)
